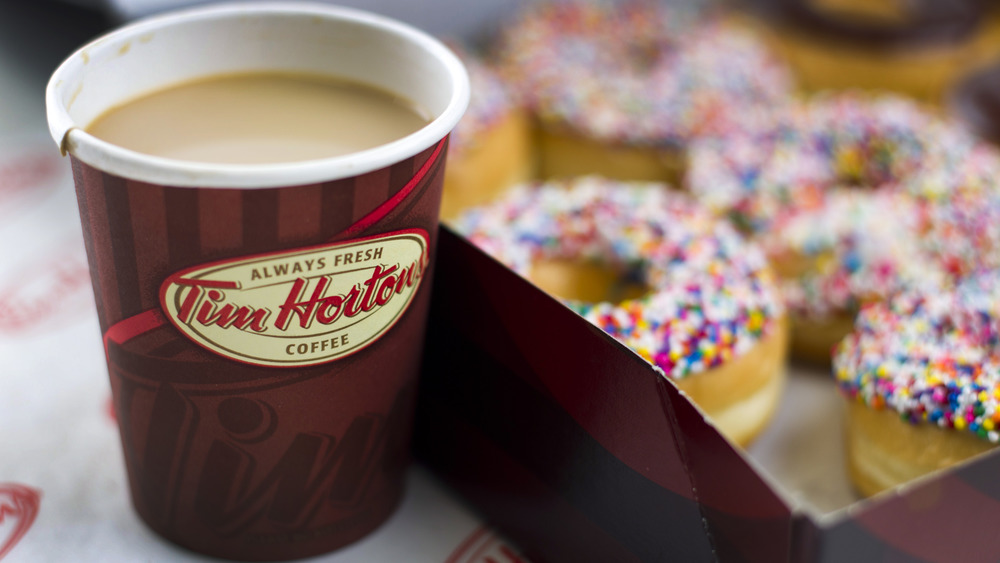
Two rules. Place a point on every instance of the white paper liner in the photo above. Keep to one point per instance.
(802, 449)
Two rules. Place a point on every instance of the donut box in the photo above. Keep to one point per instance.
(578, 450)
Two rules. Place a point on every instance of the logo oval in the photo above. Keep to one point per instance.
(298, 307)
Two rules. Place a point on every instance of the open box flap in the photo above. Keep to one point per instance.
(519, 393)
(568, 441)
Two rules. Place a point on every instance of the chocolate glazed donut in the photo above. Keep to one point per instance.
(922, 22)
(920, 48)
(976, 101)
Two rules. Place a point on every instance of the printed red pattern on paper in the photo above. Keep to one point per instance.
(53, 290)
(19, 506)
(30, 176)
(483, 546)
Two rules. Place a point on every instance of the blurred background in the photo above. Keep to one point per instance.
(36, 36)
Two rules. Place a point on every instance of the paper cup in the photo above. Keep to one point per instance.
(263, 323)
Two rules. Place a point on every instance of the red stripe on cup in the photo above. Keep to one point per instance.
(299, 213)
(220, 220)
(381, 211)
(151, 240)
(131, 327)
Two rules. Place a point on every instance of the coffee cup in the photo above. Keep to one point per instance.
(263, 322)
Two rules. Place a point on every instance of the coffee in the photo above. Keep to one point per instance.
(259, 118)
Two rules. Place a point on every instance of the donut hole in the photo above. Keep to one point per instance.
(643, 57)
(864, 164)
(790, 265)
(588, 281)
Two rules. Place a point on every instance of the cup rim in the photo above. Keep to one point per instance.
(119, 161)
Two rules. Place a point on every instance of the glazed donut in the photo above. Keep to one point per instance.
(707, 313)
(916, 47)
(490, 148)
(620, 88)
(853, 198)
(921, 373)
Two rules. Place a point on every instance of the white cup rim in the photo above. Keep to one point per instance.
(110, 158)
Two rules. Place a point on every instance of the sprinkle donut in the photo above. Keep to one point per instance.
(490, 148)
(921, 373)
(710, 317)
(621, 88)
(854, 198)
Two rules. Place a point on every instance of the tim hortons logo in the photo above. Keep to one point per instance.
(299, 307)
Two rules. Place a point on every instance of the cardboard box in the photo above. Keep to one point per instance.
(579, 451)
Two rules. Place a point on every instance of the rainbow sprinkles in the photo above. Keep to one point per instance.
(932, 355)
(712, 295)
